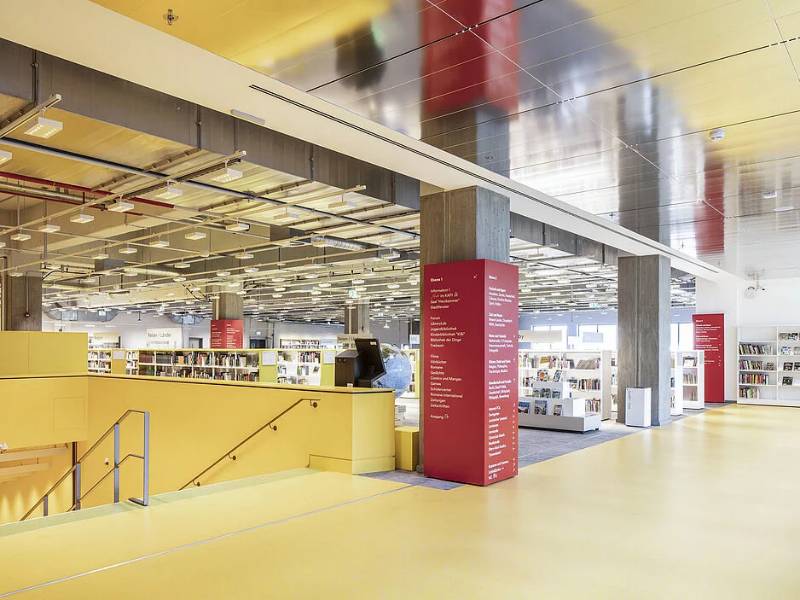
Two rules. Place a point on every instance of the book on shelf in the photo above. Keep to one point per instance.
(749, 349)
(753, 378)
(540, 407)
(797, 366)
(752, 365)
(557, 410)
(790, 336)
(524, 407)
(787, 366)
(770, 366)
(689, 361)
(787, 381)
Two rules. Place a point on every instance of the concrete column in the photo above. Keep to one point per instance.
(228, 306)
(643, 332)
(22, 302)
(356, 319)
(464, 224)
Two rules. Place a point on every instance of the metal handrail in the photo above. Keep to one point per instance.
(76, 468)
(230, 453)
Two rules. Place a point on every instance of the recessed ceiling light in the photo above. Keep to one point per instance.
(237, 227)
(81, 218)
(43, 127)
(49, 228)
(127, 250)
(170, 192)
(228, 175)
(195, 235)
(120, 206)
(20, 237)
(779, 209)
(5, 156)
(159, 244)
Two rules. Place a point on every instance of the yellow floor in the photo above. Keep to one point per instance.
(705, 508)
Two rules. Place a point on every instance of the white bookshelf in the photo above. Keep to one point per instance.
(757, 362)
(552, 384)
(99, 360)
(687, 381)
(300, 366)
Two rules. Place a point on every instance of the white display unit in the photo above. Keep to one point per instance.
(300, 366)
(551, 386)
(757, 375)
(99, 360)
(688, 381)
(608, 365)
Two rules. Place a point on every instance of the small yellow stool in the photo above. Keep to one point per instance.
(406, 448)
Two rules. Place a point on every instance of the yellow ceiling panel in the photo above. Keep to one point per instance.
(256, 33)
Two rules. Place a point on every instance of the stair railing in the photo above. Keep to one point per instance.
(230, 453)
(77, 469)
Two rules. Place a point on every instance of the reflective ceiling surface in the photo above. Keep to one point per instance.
(679, 120)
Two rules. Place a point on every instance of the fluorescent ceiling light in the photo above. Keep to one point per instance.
(228, 175)
(181, 265)
(342, 203)
(49, 228)
(43, 127)
(20, 237)
(100, 256)
(179, 279)
(779, 209)
(127, 250)
(5, 156)
(170, 192)
(223, 273)
(770, 195)
(141, 284)
(81, 218)
(324, 285)
(121, 206)
(236, 227)
(243, 255)
(159, 244)
(16, 273)
(286, 215)
(195, 235)
(251, 270)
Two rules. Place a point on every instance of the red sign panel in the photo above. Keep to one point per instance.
(471, 322)
(227, 333)
(709, 336)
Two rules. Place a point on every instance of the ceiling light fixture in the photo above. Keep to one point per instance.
(20, 237)
(49, 228)
(159, 243)
(195, 235)
(251, 270)
(179, 279)
(127, 250)
(5, 156)
(223, 273)
(81, 219)
(770, 195)
(245, 255)
(42, 127)
(16, 273)
(170, 192)
(237, 227)
(717, 134)
(121, 206)
(228, 175)
(780, 209)
(286, 214)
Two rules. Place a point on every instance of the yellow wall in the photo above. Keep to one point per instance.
(193, 422)
(42, 353)
(18, 495)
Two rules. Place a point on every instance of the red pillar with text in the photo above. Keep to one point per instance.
(709, 336)
(470, 371)
(227, 333)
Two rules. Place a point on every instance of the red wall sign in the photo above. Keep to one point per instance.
(709, 336)
(227, 333)
(470, 371)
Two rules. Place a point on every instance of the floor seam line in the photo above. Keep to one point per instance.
(195, 543)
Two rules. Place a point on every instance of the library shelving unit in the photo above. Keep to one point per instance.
(100, 360)
(608, 363)
(131, 362)
(768, 360)
(221, 364)
(306, 366)
(299, 344)
(687, 381)
(560, 390)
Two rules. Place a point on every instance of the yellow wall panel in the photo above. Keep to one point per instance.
(42, 353)
(14, 352)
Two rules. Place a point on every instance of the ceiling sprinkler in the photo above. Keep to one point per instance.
(170, 17)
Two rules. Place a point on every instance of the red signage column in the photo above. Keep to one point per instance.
(227, 333)
(709, 336)
(470, 371)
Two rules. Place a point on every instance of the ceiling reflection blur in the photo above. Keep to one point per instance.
(606, 104)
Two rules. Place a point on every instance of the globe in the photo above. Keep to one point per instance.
(398, 370)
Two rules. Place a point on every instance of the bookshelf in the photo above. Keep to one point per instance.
(687, 381)
(560, 390)
(99, 360)
(305, 366)
(217, 364)
(757, 375)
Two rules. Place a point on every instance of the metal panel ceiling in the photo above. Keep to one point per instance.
(606, 104)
